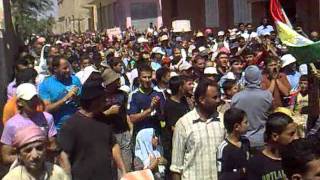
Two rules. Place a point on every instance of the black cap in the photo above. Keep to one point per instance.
(91, 90)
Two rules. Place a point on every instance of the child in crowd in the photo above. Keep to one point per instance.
(233, 152)
(280, 131)
(301, 100)
(149, 152)
(230, 88)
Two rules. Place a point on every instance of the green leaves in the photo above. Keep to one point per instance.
(31, 16)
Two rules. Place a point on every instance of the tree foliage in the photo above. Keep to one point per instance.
(31, 16)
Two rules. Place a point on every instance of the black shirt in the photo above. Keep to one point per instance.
(232, 160)
(88, 142)
(261, 167)
(173, 111)
(119, 121)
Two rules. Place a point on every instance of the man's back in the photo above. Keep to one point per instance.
(89, 153)
(256, 103)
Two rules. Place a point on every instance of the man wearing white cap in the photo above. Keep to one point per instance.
(156, 57)
(27, 102)
(290, 69)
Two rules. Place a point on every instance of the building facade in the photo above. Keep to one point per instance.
(75, 16)
(127, 13)
(222, 14)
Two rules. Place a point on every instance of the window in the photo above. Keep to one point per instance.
(143, 10)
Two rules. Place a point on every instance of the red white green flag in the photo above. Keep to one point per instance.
(305, 50)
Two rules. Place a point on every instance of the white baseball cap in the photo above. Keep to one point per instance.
(210, 71)
(158, 50)
(185, 66)
(26, 91)
(287, 59)
(220, 33)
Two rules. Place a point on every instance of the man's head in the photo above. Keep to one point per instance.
(280, 130)
(27, 75)
(230, 88)
(116, 64)
(199, 64)
(163, 75)
(314, 36)
(249, 57)
(303, 84)
(182, 85)
(53, 51)
(249, 28)
(223, 60)
(235, 121)
(288, 63)
(301, 160)
(31, 145)
(85, 61)
(111, 80)
(272, 64)
(265, 21)
(27, 98)
(145, 76)
(93, 97)
(241, 41)
(253, 75)
(61, 68)
(241, 26)
(236, 65)
(207, 96)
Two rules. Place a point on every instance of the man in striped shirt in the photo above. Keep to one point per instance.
(197, 136)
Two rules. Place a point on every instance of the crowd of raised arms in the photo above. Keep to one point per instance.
(227, 105)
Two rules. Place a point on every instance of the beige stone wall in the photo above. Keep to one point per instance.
(73, 15)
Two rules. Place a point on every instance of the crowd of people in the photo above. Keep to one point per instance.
(160, 105)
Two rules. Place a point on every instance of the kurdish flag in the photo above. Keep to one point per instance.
(305, 50)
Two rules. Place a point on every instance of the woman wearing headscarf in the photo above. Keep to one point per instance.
(148, 150)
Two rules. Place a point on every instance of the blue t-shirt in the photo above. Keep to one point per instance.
(140, 101)
(52, 89)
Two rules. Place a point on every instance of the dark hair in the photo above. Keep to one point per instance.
(297, 155)
(144, 68)
(174, 84)
(202, 88)
(198, 57)
(25, 76)
(231, 117)
(228, 84)
(55, 63)
(161, 72)
(304, 77)
(222, 53)
(270, 59)
(276, 123)
(113, 61)
(84, 57)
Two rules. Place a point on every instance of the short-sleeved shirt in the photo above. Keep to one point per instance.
(232, 160)
(88, 142)
(140, 101)
(194, 146)
(53, 90)
(42, 119)
(261, 167)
